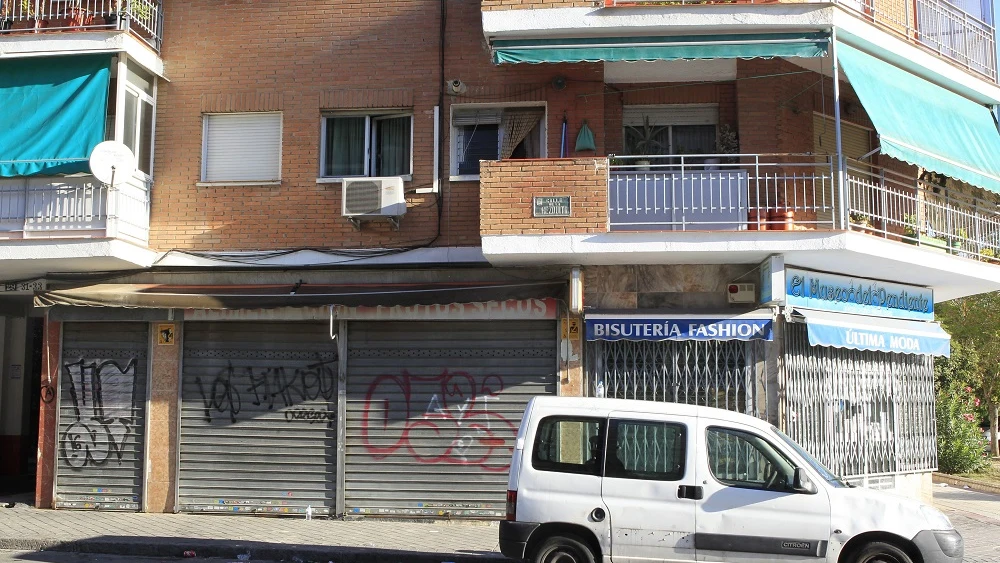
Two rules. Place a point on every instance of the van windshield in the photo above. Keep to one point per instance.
(830, 477)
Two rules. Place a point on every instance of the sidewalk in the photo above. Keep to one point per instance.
(170, 535)
(976, 515)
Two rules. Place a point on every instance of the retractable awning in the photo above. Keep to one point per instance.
(878, 334)
(924, 124)
(633, 49)
(757, 325)
(268, 296)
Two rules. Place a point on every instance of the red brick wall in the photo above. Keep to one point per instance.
(534, 4)
(301, 58)
(508, 188)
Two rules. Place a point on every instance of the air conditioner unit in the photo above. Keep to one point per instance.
(370, 198)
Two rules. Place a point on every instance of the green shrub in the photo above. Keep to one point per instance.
(960, 442)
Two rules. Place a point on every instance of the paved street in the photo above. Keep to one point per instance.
(164, 537)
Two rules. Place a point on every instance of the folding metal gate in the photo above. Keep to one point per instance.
(433, 410)
(258, 418)
(860, 413)
(102, 416)
(715, 373)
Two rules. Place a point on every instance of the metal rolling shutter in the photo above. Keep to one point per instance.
(258, 418)
(102, 416)
(855, 140)
(242, 147)
(433, 410)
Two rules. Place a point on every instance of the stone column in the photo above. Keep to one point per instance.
(161, 449)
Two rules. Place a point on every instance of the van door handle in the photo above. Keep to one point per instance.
(693, 492)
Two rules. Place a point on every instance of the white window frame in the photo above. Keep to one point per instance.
(206, 117)
(454, 176)
(137, 139)
(670, 116)
(371, 116)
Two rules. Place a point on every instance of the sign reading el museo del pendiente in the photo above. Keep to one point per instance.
(862, 296)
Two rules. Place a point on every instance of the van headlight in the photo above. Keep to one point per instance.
(950, 542)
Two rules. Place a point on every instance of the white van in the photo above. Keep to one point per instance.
(627, 481)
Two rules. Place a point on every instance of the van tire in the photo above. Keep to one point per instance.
(563, 549)
(880, 552)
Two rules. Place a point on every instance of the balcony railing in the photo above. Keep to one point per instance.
(941, 26)
(797, 192)
(143, 18)
(73, 207)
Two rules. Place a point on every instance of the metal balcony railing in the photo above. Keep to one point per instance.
(798, 192)
(73, 207)
(142, 18)
(965, 38)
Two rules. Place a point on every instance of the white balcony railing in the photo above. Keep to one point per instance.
(143, 18)
(798, 192)
(73, 207)
(721, 192)
(963, 36)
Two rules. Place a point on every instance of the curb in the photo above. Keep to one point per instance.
(172, 547)
(963, 482)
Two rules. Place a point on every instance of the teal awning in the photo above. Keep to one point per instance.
(922, 123)
(632, 49)
(53, 113)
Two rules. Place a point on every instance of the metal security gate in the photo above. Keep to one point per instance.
(433, 410)
(861, 413)
(258, 418)
(715, 373)
(102, 416)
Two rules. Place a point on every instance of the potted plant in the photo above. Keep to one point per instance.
(862, 221)
(644, 141)
(728, 141)
(914, 234)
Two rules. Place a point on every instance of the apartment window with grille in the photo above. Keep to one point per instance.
(675, 129)
(367, 144)
(242, 148)
(494, 133)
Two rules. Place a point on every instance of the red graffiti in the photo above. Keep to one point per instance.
(412, 413)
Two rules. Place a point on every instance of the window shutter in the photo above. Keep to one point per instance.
(242, 147)
(856, 140)
(476, 117)
(673, 114)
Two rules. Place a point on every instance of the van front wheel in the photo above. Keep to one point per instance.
(563, 549)
(881, 552)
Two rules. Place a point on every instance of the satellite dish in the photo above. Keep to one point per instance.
(111, 162)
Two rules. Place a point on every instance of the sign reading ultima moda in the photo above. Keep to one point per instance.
(832, 292)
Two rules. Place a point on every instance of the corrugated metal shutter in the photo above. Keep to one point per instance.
(242, 147)
(102, 416)
(433, 410)
(672, 114)
(854, 139)
(258, 418)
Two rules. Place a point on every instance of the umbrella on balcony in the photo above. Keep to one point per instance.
(562, 146)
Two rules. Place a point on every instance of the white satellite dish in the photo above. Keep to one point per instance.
(111, 162)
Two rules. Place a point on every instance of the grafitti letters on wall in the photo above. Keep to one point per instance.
(102, 393)
(395, 419)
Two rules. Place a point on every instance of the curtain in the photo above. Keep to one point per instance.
(516, 124)
(345, 146)
(393, 146)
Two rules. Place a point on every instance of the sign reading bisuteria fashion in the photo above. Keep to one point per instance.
(845, 294)
(604, 327)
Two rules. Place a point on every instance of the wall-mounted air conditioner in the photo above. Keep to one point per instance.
(370, 198)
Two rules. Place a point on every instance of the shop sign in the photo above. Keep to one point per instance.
(860, 296)
(646, 328)
(863, 338)
(512, 309)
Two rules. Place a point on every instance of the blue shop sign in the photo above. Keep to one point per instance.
(860, 296)
(876, 334)
(647, 327)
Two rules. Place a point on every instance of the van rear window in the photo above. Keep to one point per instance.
(569, 445)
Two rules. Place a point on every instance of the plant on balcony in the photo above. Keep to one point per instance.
(862, 221)
(728, 141)
(644, 140)
(141, 10)
(914, 234)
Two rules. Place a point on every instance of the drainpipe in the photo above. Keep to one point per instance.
(841, 161)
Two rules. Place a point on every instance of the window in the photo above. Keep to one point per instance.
(673, 129)
(741, 459)
(646, 450)
(569, 445)
(241, 148)
(495, 133)
(367, 145)
(138, 129)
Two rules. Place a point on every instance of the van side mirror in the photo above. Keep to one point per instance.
(801, 483)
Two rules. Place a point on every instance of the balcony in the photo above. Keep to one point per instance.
(725, 209)
(966, 39)
(141, 18)
(73, 207)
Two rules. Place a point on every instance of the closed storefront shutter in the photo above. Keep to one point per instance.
(258, 418)
(433, 410)
(102, 416)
